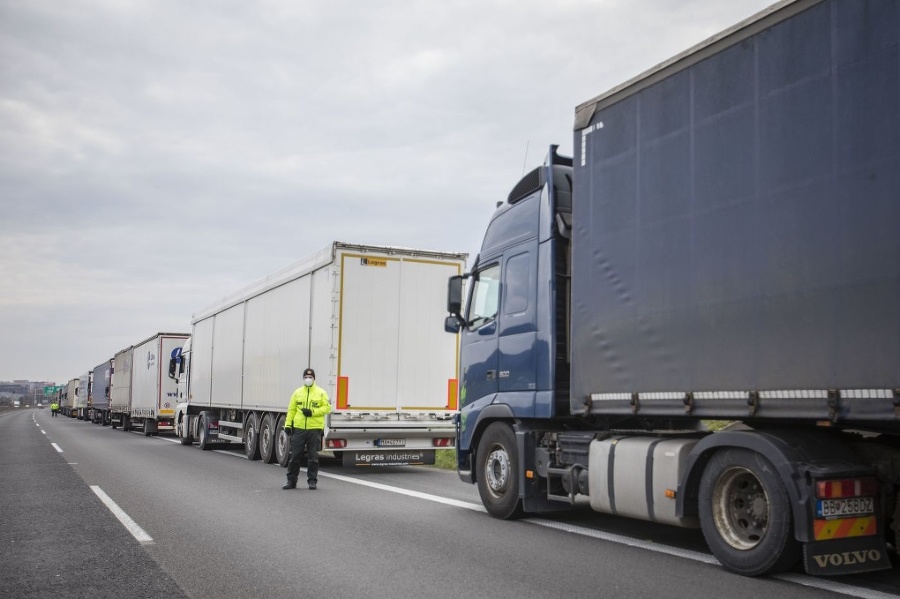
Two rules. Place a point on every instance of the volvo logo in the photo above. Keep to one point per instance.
(847, 558)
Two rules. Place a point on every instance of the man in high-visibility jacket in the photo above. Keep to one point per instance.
(305, 424)
(54, 408)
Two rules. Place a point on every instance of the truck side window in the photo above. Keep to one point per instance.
(517, 285)
(485, 296)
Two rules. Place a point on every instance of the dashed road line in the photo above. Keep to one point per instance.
(136, 531)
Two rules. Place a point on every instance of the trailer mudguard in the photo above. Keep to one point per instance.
(800, 457)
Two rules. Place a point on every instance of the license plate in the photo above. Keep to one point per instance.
(840, 508)
(390, 442)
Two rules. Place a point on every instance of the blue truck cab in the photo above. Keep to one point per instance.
(510, 335)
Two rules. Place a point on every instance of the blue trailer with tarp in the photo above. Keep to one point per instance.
(695, 320)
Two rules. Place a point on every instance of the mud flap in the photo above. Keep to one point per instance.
(845, 556)
(533, 489)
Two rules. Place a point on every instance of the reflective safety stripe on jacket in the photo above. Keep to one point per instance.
(314, 398)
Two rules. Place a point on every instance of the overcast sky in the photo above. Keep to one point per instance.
(157, 155)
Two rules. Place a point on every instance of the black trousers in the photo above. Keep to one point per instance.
(308, 442)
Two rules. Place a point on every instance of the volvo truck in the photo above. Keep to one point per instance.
(695, 320)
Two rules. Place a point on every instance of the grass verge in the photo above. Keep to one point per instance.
(445, 459)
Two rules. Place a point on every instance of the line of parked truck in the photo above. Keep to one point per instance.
(723, 246)
(365, 317)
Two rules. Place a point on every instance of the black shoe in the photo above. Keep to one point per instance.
(312, 486)
(290, 486)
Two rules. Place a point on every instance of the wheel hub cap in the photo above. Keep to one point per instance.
(497, 469)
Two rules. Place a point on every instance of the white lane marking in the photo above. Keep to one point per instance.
(43, 432)
(623, 540)
(801, 579)
(419, 495)
(834, 587)
(705, 558)
(136, 531)
(365, 483)
(698, 556)
(223, 451)
(57, 447)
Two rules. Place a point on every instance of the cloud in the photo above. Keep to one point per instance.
(157, 155)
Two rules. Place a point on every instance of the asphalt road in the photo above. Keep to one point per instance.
(217, 525)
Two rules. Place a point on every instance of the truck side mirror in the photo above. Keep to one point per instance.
(173, 364)
(452, 324)
(454, 294)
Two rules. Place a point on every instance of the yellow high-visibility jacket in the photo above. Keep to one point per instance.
(314, 398)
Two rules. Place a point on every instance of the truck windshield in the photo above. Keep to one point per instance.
(485, 296)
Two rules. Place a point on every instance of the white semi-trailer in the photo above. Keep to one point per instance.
(362, 317)
(143, 395)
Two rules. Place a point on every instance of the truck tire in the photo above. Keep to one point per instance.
(745, 514)
(497, 468)
(282, 443)
(183, 430)
(251, 437)
(203, 435)
(267, 439)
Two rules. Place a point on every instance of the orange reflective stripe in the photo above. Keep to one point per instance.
(452, 389)
(343, 392)
(845, 527)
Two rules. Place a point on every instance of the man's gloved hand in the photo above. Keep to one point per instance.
(307, 412)
(288, 431)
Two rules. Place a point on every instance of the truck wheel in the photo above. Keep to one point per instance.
(282, 443)
(267, 439)
(203, 440)
(745, 514)
(184, 430)
(497, 472)
(251, 438)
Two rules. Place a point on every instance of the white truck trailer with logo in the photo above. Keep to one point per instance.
(361, 317)
(143, 395)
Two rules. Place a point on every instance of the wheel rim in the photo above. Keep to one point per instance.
(281, 445)
(496, 467)
(265, 438)
(740, 508)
